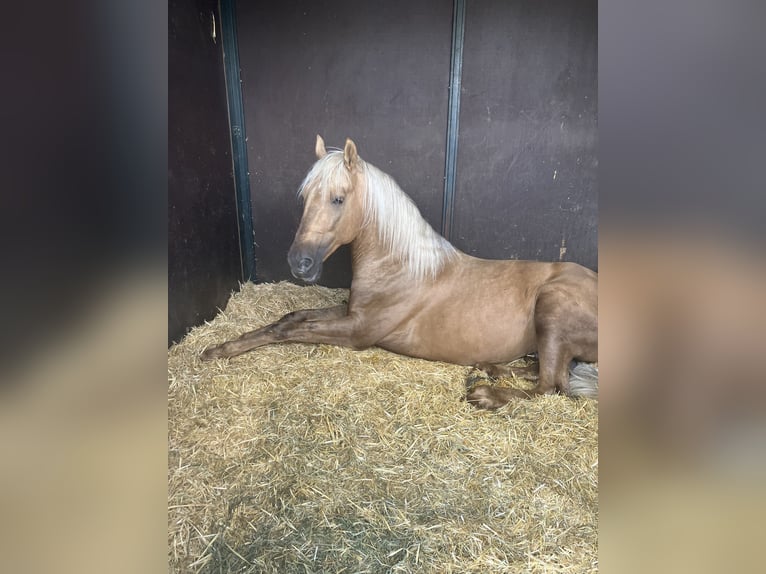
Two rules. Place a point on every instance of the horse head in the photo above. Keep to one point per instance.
(332, 211)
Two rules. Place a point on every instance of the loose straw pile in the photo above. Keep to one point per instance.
(313, 458)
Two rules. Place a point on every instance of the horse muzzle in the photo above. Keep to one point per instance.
(306, 264)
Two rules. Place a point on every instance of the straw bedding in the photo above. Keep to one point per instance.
(314, 458)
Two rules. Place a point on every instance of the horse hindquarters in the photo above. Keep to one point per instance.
(566, 327)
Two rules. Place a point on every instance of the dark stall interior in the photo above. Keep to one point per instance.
(505, 165)
(204, 263)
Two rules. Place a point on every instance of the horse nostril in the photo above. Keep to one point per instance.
(305, 264)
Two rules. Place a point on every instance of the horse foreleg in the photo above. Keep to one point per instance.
(271, 333)
(343, 331)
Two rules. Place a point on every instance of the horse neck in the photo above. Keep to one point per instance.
(369, 256)
(419, 253)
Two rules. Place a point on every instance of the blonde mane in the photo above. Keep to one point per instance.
(401, 228)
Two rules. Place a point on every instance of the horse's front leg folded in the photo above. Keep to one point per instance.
(273, 333)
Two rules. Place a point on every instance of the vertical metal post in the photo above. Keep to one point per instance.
(238, 138)
(456, 72)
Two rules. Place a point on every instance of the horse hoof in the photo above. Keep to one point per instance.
(211, 353)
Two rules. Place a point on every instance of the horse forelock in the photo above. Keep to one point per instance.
(400, 226)
(326, 174)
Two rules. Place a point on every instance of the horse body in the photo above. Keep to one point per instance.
(414, 294)
(470, 314)
(491, 317)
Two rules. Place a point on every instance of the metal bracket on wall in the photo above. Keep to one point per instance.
(238, 138)
(456, 73)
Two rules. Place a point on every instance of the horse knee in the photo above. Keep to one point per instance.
(281, 330)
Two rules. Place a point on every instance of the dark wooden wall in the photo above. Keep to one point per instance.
(375, 72)
(527, 158)
(526, 178)
(379, 73)
(203, 247)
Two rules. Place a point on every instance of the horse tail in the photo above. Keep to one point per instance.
(583, 379)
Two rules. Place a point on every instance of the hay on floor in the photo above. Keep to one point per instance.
(314, 458)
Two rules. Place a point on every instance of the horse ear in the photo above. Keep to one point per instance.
(350, 156)
(320, 149)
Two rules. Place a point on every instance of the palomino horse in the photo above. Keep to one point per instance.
(415, 294)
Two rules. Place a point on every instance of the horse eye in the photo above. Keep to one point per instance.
(337, 200)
